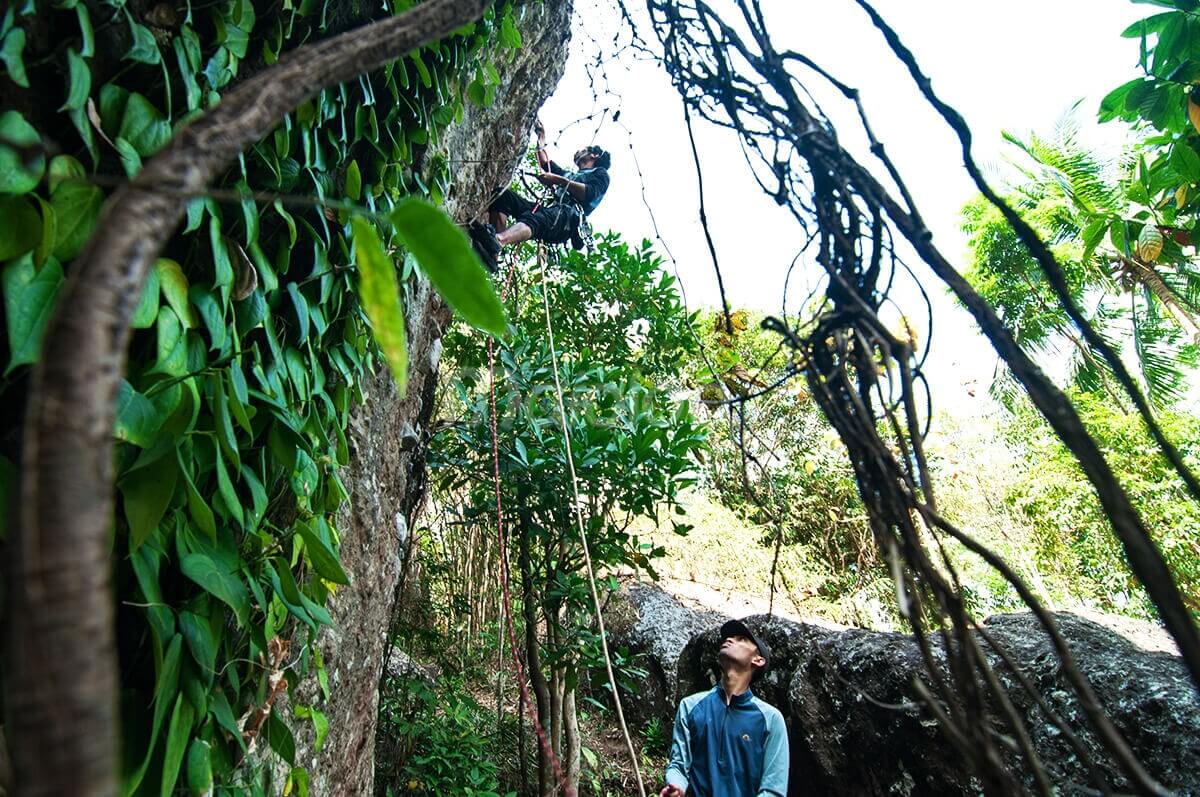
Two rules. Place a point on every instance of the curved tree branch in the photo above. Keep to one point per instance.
(62, 683)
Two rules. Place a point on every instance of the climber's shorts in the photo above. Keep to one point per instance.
(554, 224)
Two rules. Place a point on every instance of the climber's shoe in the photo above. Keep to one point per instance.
(486, 255)
(484, 236)
(485, 243)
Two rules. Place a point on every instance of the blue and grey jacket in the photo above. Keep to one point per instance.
(739, 750)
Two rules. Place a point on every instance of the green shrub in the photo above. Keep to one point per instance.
(1074, 539)
(432, 741)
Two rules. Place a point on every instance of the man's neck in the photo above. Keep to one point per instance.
(734, 682)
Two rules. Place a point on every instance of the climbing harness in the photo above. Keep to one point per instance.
(583, 237)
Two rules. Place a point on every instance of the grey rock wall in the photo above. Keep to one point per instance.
(650, 623)
(386, 477)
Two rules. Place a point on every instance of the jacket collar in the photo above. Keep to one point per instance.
(736, 700)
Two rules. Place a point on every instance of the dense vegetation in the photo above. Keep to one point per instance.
(254, 337)
(251, 345)
(619, 330)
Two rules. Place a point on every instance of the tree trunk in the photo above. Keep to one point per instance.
(1154, 281)
(557, 685)
(541, 690)
(571, 740)
(62, 681)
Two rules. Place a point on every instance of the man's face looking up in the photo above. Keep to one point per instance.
(585, 159)
(739, 651)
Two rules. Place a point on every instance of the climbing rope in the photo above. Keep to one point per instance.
(506, 599)
(526, 703)
(587, 556)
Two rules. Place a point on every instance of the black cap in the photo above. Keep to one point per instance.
(738, 628)
(603, 158)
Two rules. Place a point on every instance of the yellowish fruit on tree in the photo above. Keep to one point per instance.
(1194, 106)
(1149, 244)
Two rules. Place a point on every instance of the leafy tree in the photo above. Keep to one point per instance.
(775, 458)
(620, 330)
(1125, 230)
(1163, 107)
(1073, 542)
(1139, 288)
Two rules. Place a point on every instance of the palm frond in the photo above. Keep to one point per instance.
(1087, 180)
(1184, 282)
(1161, 357)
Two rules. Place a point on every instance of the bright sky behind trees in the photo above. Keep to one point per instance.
(1019, 65)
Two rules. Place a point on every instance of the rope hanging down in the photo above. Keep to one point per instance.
(526, 702)
(578, 512)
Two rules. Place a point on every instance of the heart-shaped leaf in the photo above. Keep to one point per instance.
(29, 297)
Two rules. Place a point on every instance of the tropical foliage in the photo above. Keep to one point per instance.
(434, 740)
(253, 337)
(619, 331)
(259, 327)
(1124, 229)
(1139, 287)
(1072, 536)
(775, 458)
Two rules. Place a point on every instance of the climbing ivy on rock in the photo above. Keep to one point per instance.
(253, 335)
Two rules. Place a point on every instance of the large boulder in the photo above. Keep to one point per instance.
(653, 629)
(856, 725)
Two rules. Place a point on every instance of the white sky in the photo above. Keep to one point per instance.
(1017, 65)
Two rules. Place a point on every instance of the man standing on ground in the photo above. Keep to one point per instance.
(727, 742)
(576, 194)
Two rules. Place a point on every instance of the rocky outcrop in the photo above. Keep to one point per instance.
(856, 726)
(388, 435)
(646, 621)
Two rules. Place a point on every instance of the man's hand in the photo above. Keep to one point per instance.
(671, 790)
(550, 179)
(539, 129)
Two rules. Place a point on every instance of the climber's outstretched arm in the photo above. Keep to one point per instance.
(577, 190)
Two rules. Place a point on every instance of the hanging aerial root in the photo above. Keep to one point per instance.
(865, 379)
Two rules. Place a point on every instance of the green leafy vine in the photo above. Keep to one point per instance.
(253, 335)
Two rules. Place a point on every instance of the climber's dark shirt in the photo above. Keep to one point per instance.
(596, 181)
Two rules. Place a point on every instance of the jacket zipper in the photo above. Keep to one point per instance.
(721, 738)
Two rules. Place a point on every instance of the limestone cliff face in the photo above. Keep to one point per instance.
(386, 476)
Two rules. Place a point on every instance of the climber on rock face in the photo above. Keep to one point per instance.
(727, 742)
(557, 221)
